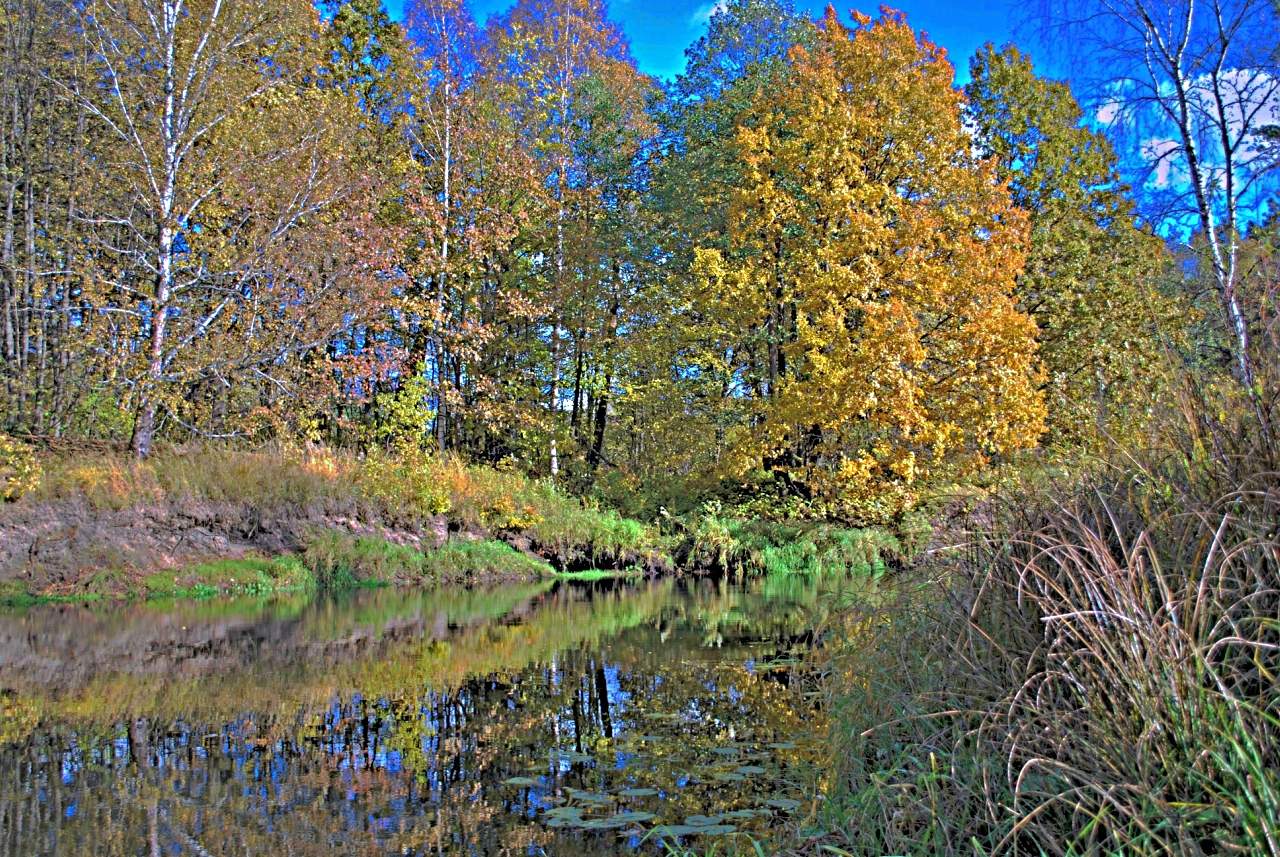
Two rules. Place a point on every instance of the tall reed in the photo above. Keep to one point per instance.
(1099, 673)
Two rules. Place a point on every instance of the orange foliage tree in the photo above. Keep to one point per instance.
(870, 268)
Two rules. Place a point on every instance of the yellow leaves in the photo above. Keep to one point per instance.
(877, 257)
(19, 469)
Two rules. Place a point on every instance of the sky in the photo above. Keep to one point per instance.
(660, 30)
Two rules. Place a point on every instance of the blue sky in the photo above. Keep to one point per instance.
(660, 30)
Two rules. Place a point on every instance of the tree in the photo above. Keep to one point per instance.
(570, 71)
(222, 149)
(874, 258)
(1091, 277)
(48, 161)
(447, 38)
(1197, 84)
(677, 408)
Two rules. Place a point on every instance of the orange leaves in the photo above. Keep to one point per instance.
(876, 256)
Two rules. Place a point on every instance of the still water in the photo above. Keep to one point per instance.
(553, 718)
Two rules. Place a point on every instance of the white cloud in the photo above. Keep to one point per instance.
(1166, 168)
(702, 15)
(1109, 112)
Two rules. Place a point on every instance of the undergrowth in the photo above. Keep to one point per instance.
(1096, 674)
(743, 548)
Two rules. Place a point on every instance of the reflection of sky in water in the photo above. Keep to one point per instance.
(643, 703)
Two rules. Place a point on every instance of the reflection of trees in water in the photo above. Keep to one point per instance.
(366, 777)
(418, 764)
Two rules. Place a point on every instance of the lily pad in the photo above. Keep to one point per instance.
(714, 829)
(702, 820)
(726, 777)
(667, 831)
(725, 751)
(631, 817)
(603, 824)
(589, 797)
(743, 814)
(750, 770)
(783, 745)
(564, 812)
(638, 792)
(519, 781)
(784, 803)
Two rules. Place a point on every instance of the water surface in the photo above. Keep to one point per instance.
(552, 718)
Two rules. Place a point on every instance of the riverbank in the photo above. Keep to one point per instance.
(206, 520)
(203, 520)
(1093, 673)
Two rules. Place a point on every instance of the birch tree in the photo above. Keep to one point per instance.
(1196, 85)
(222, 149)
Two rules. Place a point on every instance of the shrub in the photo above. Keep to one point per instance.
(747, 548)
(19, 469)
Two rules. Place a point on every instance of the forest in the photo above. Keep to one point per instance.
(300, 297)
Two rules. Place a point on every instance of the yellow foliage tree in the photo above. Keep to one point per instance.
(868, 278)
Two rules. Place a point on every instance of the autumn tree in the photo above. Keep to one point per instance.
(51, 355)
(872, 261)
(1195, 88)
(1092, 275)
(676, 409)
(223, 154)
(579, 104)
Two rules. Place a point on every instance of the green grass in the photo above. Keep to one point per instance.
(461, 560)
(15, 595)
(244, 576)
(339, 561)
(754, 548)
(591, 574)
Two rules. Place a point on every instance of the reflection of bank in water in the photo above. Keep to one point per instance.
(555, 716)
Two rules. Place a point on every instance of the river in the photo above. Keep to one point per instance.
(556, 718)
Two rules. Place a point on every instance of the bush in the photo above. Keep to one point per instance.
(746, 548)
(19, 469)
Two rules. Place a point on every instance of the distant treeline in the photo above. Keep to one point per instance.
(809, 271)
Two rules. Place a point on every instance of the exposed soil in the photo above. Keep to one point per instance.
(69, 546)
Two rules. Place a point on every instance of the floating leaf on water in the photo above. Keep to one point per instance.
(602, 824)
(743, 814)
(703, 819)
(783, 745)
(519, 781)
(589, 797)
(564, 822)
(564, 812)
(634, 816)
(665, 831)
(725, 751)
(750, 770)
(726, 777)
(784, 803)
(638, 792)
(714, 829)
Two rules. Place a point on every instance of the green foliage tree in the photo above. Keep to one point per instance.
(1092, 275)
